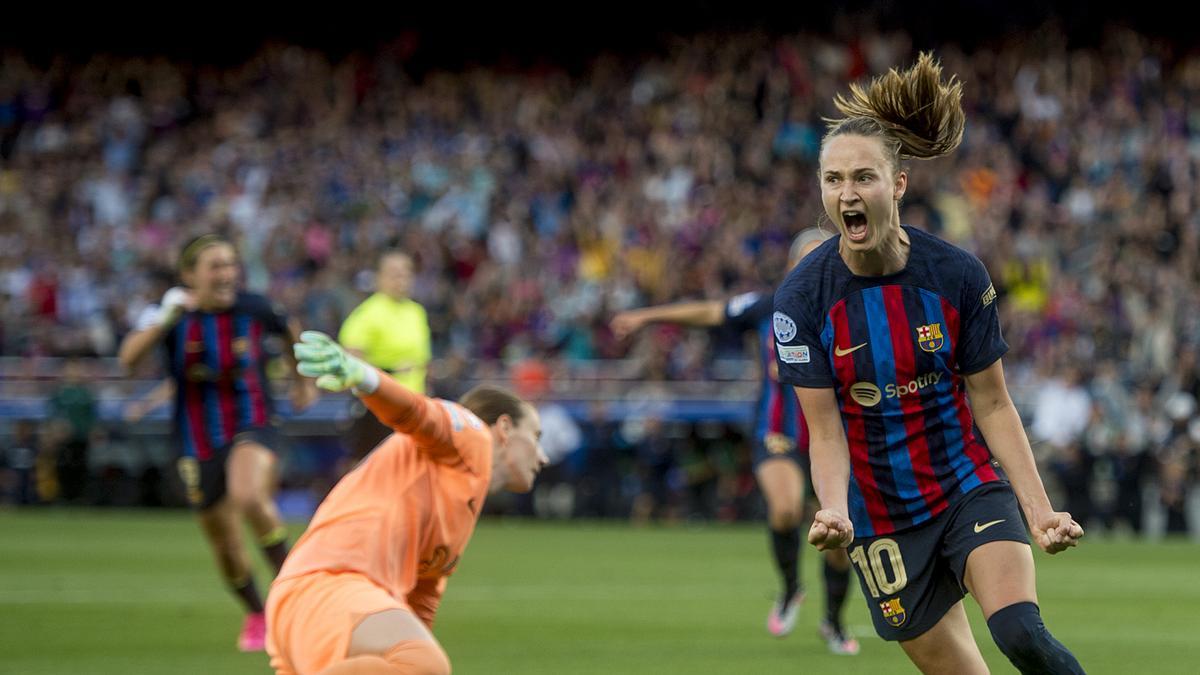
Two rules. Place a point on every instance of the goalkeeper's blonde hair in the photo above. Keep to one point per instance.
(489, 402)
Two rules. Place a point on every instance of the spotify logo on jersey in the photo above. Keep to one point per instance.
(865, 394)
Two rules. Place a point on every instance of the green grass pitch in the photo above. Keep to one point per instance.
(136, 592)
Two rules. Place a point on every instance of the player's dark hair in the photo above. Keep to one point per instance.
(914, 113)
(490, 402)
(191, 250)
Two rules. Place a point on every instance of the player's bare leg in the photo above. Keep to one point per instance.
(1000, 574)
(222, 527)
(782, 485)
(948, 648)
(252, 476)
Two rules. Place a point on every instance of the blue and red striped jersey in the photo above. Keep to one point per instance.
(777, 410)
(895, 348)
(218, 363)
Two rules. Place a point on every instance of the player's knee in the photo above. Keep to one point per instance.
(419, 657)
(784, 517)
(238, 492)
(1019, 632)
(1016, 629)
(246, 499)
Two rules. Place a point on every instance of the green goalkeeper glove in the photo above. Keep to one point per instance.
(317, 355)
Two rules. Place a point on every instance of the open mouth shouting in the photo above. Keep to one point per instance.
(856, 225)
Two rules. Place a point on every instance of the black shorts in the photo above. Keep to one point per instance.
(774, 446)
(204, 480)
(912, 578)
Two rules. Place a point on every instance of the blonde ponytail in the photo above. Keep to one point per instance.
(921, 116)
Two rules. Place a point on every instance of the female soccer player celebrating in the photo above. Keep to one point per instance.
(359, 592)
(213, 335)
(885, 331)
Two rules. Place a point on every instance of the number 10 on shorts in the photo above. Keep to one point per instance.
(870, 563)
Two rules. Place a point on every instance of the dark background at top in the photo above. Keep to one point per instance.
(453, 34)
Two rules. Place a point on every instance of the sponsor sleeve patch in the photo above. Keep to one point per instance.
(793, 354)
(989, 296)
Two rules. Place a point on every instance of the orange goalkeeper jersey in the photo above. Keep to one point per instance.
(403, 517)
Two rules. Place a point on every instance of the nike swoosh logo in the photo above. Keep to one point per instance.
(838, 351)
(980, 528)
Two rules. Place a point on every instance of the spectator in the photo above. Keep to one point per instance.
(598, 466)
(540, 201)
(74, 404)
(1062, 411)
(657, 471)
(17, 464)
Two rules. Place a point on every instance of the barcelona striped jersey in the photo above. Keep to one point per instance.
(895, 349)
(218, 363)
(777, 410)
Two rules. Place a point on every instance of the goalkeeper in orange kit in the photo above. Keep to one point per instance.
(360, 589)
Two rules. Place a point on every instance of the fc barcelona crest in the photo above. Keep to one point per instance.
(930, 337)
(778, 444)
(241, 345)
(893, 612)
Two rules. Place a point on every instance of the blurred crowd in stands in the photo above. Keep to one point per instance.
(538, 201)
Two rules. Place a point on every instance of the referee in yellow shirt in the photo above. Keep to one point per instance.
(390, 331)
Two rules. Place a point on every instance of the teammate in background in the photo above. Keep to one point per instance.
(885, 331)
(360, 590)
(780, 448)
(390, 331)
(213, 336)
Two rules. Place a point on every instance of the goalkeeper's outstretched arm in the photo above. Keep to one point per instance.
(405, 411)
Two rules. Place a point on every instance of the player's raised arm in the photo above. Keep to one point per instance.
(997, 418)
(162, 392)
(701, 313)
(154, 325)
(830, 455)
(317, 355)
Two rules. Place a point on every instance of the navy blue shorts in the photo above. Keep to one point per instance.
(912, 578)
(775, 445)
(204, 480)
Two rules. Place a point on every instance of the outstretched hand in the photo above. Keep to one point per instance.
(626, 323)
(319, 356)
(830, 530)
